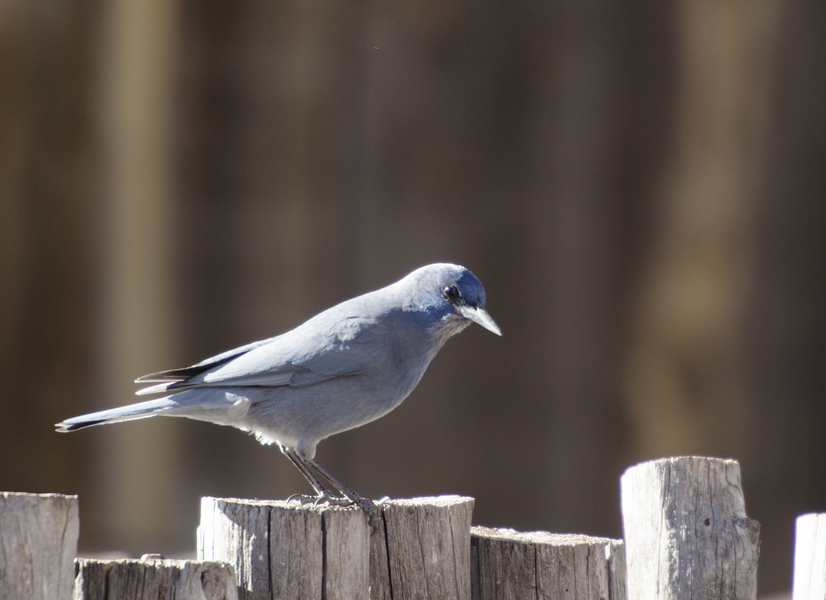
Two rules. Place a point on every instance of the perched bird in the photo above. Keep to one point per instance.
(345, 367)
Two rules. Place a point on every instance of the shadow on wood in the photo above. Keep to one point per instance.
(154, 579)
(510, 565)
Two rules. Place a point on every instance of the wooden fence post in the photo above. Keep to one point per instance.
(686, 530)
(154, 578)
(38, 543)
(281, 549)
(511, 565)
(287, 550)
(427, 545)
(810, 557)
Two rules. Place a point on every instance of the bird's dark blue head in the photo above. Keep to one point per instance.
(452, 295)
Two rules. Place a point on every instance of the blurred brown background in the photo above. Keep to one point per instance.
(640, 186)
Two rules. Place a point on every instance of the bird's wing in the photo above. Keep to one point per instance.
(301, 357)
(201, 367)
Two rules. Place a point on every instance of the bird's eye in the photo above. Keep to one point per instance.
(452, 293)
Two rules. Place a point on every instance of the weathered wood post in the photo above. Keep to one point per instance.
(154, 578)
(510, 565)
(686, 530)
(38, 543)
(286, 550)
(810, 557)
(427, 549)
(281, 549)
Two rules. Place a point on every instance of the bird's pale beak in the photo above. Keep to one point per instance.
(479, 315)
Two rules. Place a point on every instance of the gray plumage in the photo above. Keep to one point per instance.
(345, 367)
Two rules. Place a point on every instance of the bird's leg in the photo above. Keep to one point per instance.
(363, 503)
(323, 493)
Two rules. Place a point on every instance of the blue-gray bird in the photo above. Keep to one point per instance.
(345, 367)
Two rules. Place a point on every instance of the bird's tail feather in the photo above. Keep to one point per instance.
(141, 410)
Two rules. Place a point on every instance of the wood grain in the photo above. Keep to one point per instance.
(686, 530)
(38, 543)
(510, 565)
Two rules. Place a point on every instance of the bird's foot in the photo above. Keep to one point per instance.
(322, 498)
(368, 506)
(302, 498)
(332, 500)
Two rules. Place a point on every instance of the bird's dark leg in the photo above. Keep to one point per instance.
(363, 503)
(323, 493)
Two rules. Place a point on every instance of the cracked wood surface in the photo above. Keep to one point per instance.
(38, 543)
(686, 531)
(154, 578)
(512, 565)
(420, 549)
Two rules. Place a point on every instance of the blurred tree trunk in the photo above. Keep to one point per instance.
(138, 501)
(47, 234)
(785, 334)
(684, 373)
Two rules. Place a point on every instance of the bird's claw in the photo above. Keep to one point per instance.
(323, 498)
(368, 506)
(333, 500)
(302, 498)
